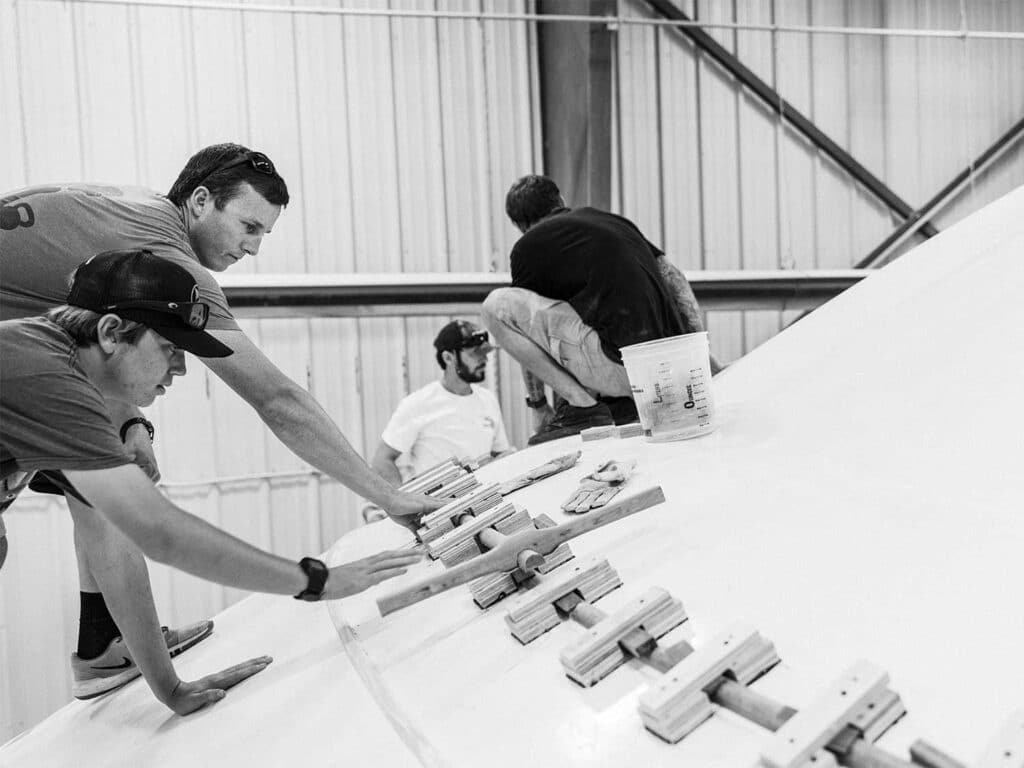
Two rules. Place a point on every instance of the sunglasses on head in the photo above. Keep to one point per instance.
(193, 313)
(257, 160)
(474, 340)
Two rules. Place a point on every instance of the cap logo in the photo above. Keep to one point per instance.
(197, 316)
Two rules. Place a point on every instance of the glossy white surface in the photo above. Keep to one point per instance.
(859, 498)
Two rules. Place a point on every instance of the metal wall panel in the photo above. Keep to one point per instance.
(38, 612)
(758, 159)
(13, 165)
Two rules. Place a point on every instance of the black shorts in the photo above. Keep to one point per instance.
(43, 484)
(53, 482)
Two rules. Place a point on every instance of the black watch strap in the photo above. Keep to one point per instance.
(316, 572)
(540, 401)
(137, 420)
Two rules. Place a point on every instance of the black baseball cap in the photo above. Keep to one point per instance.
(461, 334)
(138, 285)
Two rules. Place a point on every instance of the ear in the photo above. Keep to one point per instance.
(107, 330)
(199, 201)
(450, 358)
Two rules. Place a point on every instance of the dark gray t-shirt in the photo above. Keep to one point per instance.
(47, 231)
(52, 418)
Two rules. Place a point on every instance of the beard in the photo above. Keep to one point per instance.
(468, 376)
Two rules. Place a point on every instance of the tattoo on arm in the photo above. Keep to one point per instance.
(682, 293)
(534, 386)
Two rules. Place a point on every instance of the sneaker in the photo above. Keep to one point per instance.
(623, 409)
(571, 420)
(115, 666)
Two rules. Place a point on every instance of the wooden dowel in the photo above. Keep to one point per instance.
(750, 704)
(865, 755)
(529, 560)
(924, 754)
(663, 659)
(586, 614)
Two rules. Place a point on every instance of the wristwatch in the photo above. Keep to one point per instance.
(137, 420)
(316, 572)
(539, 402)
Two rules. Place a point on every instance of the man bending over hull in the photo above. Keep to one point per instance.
(129, 318)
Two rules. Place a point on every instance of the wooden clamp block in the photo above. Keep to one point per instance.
(631, 430)
(433, 478)
(457, 488)
(677, 703)
(852, 700)
(534, 613)
(506, 556)
(629, 632)
(489, 589)
(561, 554)
(460, 544)
(1006, 750)
(598, 433)
(441, 521)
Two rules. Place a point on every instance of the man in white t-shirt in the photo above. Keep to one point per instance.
(446, 418)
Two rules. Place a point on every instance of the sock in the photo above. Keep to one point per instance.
(96, 627)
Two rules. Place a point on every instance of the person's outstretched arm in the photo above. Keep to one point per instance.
(685, 299)
(383, 463)
(303, 425)
(165, 533)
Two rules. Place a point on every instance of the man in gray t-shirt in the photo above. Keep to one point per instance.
(130, 317)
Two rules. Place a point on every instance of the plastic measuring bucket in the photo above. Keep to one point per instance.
(671, 383)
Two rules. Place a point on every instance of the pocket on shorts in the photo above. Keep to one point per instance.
(577, 357)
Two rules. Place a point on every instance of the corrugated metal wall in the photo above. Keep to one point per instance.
(706, 169)
(398, 138)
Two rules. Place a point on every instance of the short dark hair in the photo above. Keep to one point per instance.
(201, 170)
(530, 199)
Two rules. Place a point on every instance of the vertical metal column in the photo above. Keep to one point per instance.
(576, 84)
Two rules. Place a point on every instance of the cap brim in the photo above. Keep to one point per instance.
(199, 343)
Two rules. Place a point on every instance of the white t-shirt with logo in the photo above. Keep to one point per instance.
(432, 424)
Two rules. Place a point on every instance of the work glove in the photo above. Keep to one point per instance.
(599, 487)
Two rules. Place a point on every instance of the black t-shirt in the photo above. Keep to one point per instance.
(604, 268)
